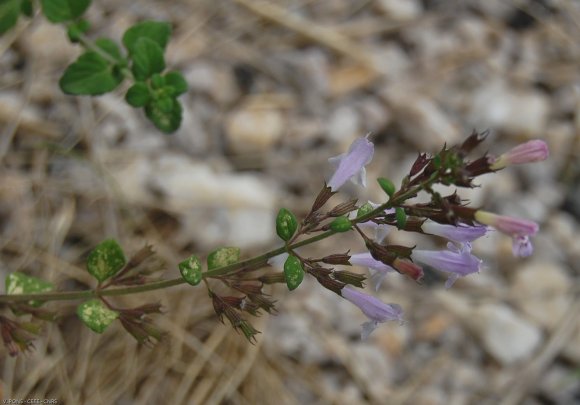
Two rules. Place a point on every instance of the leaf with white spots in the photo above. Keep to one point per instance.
(223, 257)
(106, 260)
(96, 315)
(20, 283)
(190, 270)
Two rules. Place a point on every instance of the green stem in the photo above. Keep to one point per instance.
(262, 259)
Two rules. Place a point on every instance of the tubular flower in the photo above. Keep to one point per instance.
(376, 310)
(457, 261)
(351, 165)
(519, 229)
(461, 233)
(529, 152)
(378, 269)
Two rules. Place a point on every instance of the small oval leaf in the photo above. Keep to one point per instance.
(286, 224)
(293, 272)
(190, 270)
(341, 224)
(106, 260)
(401, 217)
(20, 283)
(96, 315)
(223, 257)
(364, 209)
(387, 186)
(138, 95)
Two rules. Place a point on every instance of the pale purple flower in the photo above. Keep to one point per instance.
(528, 152)
(377, 269)
(521, 246)
(351, 165)
(460, 233)
(376, 310)
(457, 261)
(519, 229)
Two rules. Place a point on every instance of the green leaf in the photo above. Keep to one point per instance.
(177, 82)
(20, 283)
(26, 8)
(105, 260)
(147, 58)
(157, 81)
(190, 270)
(64, 10)
(293, 272)
(341, 224)
(223, 257)
(401, 217)
(364, 209)
(91, 75)
(76, 29)
(387, 186)
(111, 48)
(138, 95)
(157, 31)
(165, 121)
(96, 315)
(286, 224)
(9, 13)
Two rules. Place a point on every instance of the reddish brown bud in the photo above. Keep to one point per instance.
(272, 278)
(408, 268)
(420, 163)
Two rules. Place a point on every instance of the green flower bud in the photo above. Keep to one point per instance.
(293, 272)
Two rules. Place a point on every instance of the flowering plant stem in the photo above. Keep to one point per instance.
(254, 261)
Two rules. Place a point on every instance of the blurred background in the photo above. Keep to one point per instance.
(277, 87)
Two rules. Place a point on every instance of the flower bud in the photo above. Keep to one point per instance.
(293, 272)
(286, 224)
(387, 186)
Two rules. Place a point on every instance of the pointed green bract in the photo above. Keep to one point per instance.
(223, 257)
(293, 272)
(106, 260)
(190, 270)
(341, 224)
(286, 224)
(96, 315)
(20, 283)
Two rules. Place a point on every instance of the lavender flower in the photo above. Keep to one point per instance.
(351, 165)
(457, 261)
(377, 269)
(532, 151)
(376, 310)
(521, 246)
(460, 233)
(519, 229)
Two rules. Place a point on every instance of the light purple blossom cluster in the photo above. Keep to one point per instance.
(457, 260)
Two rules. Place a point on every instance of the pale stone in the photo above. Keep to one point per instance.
(254, 128)
(541, 291)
